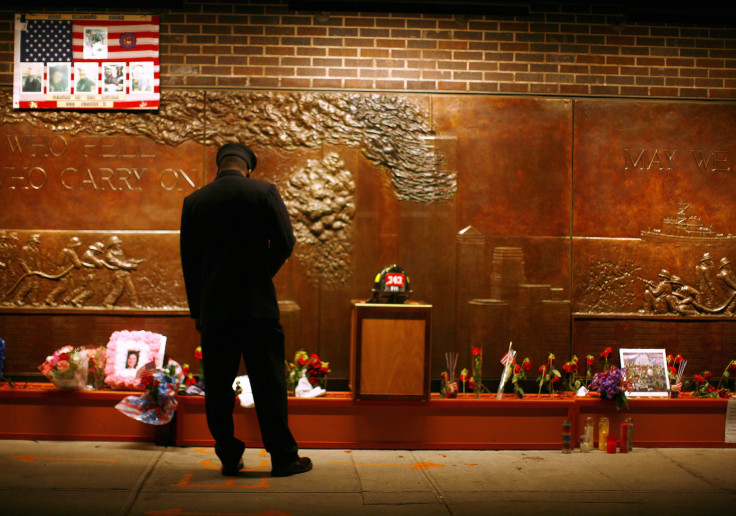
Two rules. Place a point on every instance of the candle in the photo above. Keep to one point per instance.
(624, 437)
(611, 444)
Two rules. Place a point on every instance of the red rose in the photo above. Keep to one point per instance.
(672, 370)
(444, 376)
(190, 380)
(589, 360)
(198, 353)
(314, 361)
(698, 379)
(526, 364)
(471, 383)
(607, 352)
(678, 359)
(732, 366)
(542, 369)
(146, 381)
(476, 352)
(517, 369)
(566, 367)
(670, 359)
(555, 379)
(707, 375)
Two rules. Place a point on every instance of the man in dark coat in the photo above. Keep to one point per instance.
(235, 236)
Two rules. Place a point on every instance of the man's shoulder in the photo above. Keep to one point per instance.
(229, 183)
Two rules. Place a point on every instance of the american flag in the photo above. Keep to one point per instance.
(130, 42)
(146, 369)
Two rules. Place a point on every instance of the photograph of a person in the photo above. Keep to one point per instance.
(646, 369)
(141, 77)
(31, 77)
(59, 78)
(95, 43)
(113, 77)
(132, 361)
(85, 76)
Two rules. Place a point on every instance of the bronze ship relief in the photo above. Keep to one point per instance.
(682, 228)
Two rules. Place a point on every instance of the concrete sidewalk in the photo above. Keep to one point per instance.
(112, 478)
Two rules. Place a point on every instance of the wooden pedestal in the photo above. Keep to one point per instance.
(390, 351)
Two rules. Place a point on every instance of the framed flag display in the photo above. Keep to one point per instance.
(86, 61)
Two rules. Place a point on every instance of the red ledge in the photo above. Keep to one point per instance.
(40, 411)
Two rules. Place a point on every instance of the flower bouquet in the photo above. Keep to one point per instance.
(317, 371)
(296, 369)
(308, 366)
(612, 385)
(66, 368)
(157, 404)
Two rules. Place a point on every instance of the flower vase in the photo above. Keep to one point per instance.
(74, 378)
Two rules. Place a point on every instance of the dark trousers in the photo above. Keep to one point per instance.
(261, 344)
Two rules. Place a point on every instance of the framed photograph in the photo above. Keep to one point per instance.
(95, 43)
(59, 79)
(113, 78)
(32, 77)
(646, 369)
(85, 78)
(128, 352)
(141, 77)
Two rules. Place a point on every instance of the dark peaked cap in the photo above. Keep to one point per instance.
(239, 150)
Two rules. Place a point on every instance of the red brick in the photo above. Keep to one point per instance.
(513, 87)
(599, 89)
(663, 92)
(574, 89)
(421, 85)
(389, 85)
(264, 82)
(311, 72)
(295, 83)
(542, 89)
(327, 83)
(453, 45)
(358, 84)
(693, 92)
(405, 74)
(452, 86)
(374, 52)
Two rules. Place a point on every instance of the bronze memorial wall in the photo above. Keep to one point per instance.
(563, 225)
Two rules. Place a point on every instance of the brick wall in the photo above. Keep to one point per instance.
(559, 49)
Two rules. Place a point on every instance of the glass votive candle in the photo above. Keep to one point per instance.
(611, 444)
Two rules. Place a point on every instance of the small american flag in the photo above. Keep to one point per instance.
(146, 370)
(508, 358)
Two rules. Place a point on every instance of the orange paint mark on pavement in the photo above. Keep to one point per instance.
(230, 482)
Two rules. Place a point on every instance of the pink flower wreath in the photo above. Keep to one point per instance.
(150, 346)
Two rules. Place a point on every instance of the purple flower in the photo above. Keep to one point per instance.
(610, 384)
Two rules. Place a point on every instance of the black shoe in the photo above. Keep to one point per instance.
(300, 465)
(232, 470)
